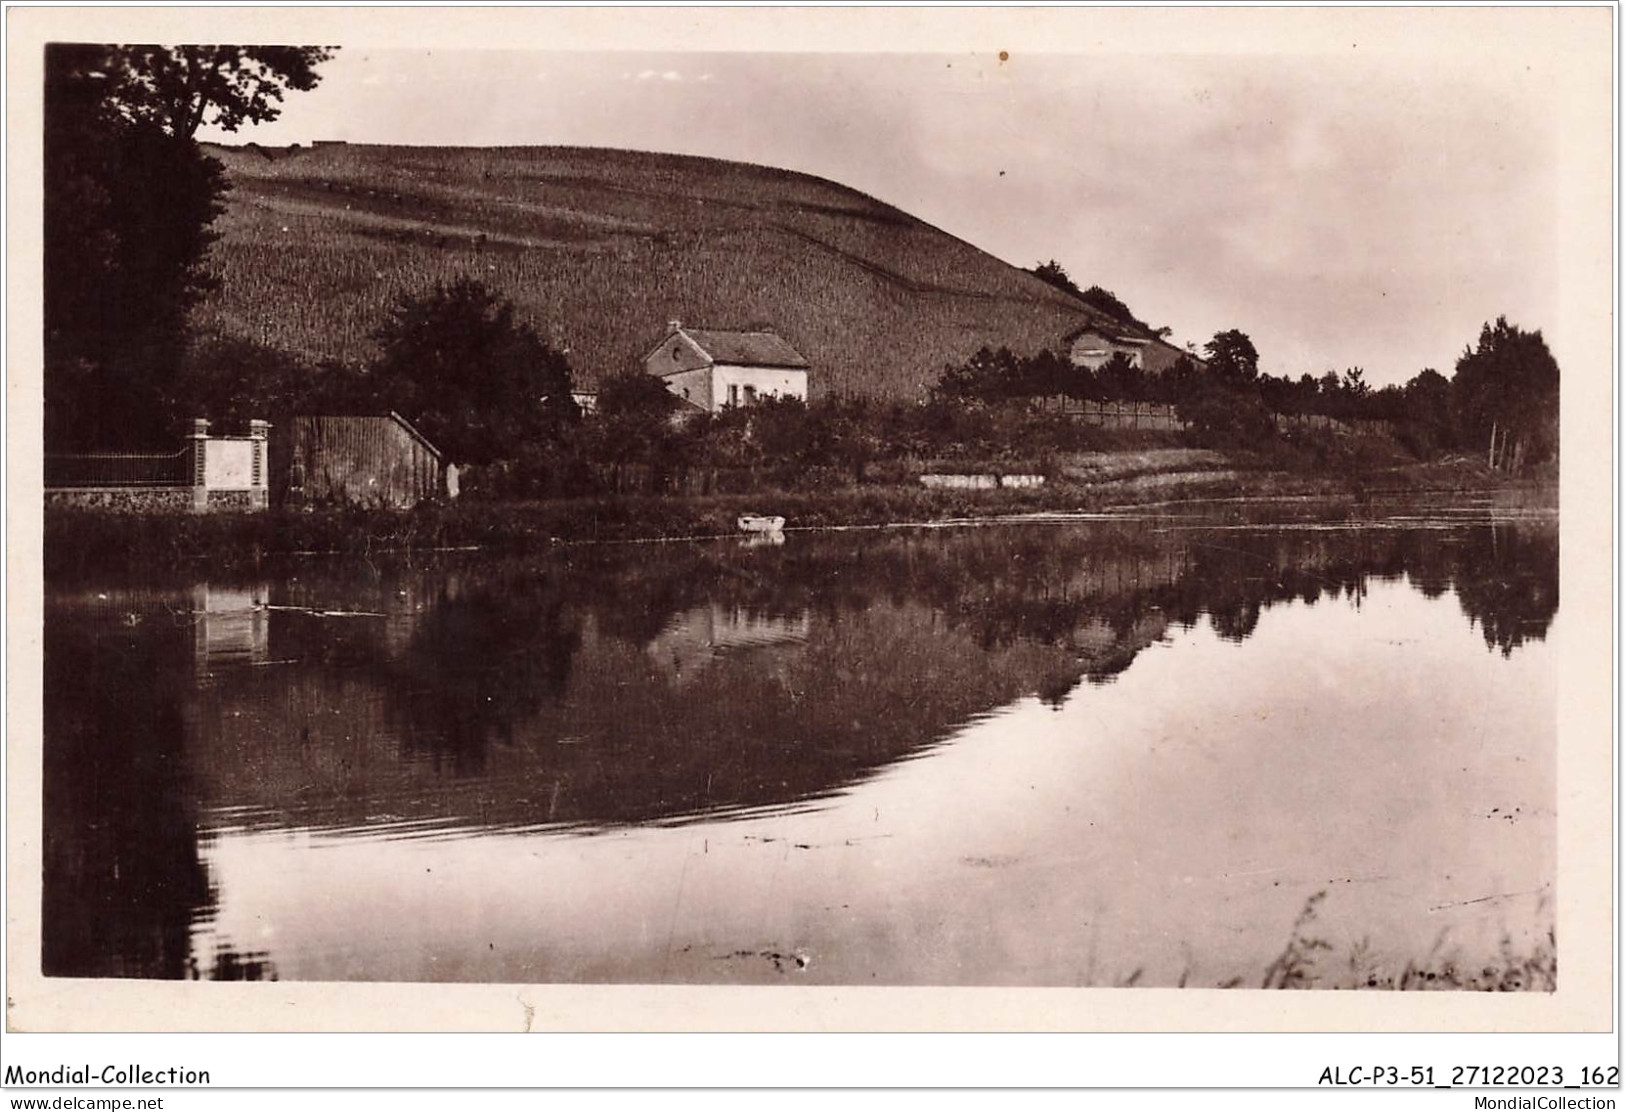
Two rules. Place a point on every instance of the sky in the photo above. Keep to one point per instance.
(1341, 208)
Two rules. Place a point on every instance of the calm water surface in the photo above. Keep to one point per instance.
(1045, 754)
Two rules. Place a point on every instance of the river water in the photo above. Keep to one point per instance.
(1113, 752)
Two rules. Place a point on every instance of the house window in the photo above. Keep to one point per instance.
(750, 395)
(733, 394)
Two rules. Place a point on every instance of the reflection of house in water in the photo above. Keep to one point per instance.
(231, 625)
(699, 636)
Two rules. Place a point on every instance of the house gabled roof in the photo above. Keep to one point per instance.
(1115, 335)
(752, 349)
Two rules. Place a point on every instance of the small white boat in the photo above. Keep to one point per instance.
(760, 523)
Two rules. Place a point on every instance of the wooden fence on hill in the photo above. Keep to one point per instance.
(1357, 426)
(1115, 415)
(1163, 417)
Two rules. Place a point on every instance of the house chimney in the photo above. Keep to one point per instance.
(673, 325)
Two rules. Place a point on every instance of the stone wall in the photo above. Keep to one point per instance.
(241, 501)
(127, 500)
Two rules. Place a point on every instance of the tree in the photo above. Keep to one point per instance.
(129, 200)
(1231, 356)
(1121, 379)
(1505, 396)
(184, 87)
(1095, 296)
(1175, 381)
(635, 394)
(126, 234)
(475, 380)
(1427, 408)
(986, 376)
(1047, 375)
(1055, 274)
(1112, 305)
(1222, 413)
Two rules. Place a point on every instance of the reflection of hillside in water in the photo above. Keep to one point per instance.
(607, 687)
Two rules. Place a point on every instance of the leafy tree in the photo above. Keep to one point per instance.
(986, 376)
(184, 87)
(1331, 393)
(232, 381)
(991, 376)
(1281, 395)
(635, 394)
(1055, 274)
(1231, 356)
(124, 247)
(1175, 381)
(855, 432)
(129, 199)
(1222, 413)
(1427, 408)
(1506, 395)
(475, 380)
(1109, 303)
(126, 221)
(1384, 404)
(1045, 375)
(1096, 296)
(1121, 379)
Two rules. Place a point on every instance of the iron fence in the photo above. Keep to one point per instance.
(120, 469)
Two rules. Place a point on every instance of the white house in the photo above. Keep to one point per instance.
(1094, 346)
(713, 370)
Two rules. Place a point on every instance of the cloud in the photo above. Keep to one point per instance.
(658, 75)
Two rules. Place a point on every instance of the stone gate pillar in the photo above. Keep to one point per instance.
(259, 432)
(199, 436)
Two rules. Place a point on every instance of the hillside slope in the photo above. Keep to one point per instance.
(600, 248)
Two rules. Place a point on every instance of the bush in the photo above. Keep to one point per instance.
(1222, 415)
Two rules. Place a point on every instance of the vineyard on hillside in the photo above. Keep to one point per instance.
(599, 249)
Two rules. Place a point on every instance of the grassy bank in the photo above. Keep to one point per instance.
(80, 541)
(1309, 961)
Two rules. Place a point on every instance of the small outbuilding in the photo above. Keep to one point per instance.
(714, 369)
(379, 462)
